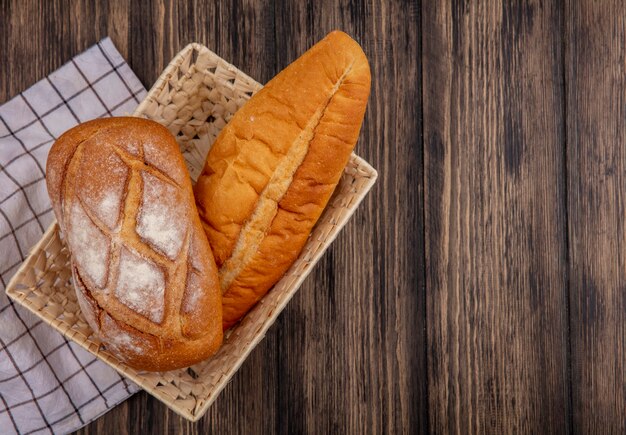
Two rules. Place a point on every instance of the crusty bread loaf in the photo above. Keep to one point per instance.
(273, 168)
(143, 270)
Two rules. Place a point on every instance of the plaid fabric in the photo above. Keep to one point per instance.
(47, 384)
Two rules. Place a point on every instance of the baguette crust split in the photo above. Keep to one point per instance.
(273, 168)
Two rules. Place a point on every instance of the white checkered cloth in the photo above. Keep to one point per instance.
(47, 384)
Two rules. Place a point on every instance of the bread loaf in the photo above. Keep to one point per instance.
(142, 267)
(274, 166)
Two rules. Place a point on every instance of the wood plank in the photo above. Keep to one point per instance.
(242, 32)
(60, 24)
(352, 341)
(495, 213)
(596, 171)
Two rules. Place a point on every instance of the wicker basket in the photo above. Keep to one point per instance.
(195, 97)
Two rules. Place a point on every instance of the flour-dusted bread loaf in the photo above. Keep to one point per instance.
(273, 168)
(143, 270)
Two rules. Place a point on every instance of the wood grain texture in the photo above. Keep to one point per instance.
(494, 202)
(596, 155)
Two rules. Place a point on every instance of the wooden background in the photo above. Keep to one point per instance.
(481, 286)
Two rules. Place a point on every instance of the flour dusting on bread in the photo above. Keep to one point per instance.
(108, 209)
(141, 286)
(159, 158)
(161, 220)
(121, 341)
(87, 239)
(193, 293)
(103, 203)
(124, 342)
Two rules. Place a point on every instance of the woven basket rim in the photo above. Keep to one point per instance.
(366, 180)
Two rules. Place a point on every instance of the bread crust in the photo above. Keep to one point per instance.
(273, 168)
(142, 267)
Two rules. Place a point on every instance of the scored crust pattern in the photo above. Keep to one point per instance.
(127, 215)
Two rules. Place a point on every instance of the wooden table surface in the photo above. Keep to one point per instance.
(481, 286)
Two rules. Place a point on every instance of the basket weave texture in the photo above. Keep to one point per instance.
(194, 98)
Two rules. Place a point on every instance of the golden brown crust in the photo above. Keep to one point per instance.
(143, 270)
(275, 165)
